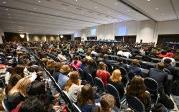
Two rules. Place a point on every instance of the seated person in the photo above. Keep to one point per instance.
(63, 75)
(102, 73)
(159, 75)
(115, 80)
(137, 89)
(107, 103)
(76, 63)
(73, 86)
(17, 93)
(86, 99)
(135, 67)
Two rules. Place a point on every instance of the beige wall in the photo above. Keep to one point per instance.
(105, 32)
(168, 27)
(43, 38)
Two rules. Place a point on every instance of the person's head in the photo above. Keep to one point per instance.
(107, 102)
(160, 66)
(58, 66)
(65, 69)
(102, 66)
(74, 79)
(21, 86)
(136, 87)
(167, 61)
(86, 94)
(50, 63)
(135, 62)
(116, 75)
(36, 88)
(12, 82)
(14, 79)
(19, 70)
(34, 104)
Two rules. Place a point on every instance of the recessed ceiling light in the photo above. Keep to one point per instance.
(128, 10)
(76, 0)
(4, 2)
(95, 7)
(116, 3)
(148, 0)
(157, 8)
(39, 1)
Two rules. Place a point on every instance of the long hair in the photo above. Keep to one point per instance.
(21, 86)
(137, 88)
(74, 79)
(86, 95)
(116, 76)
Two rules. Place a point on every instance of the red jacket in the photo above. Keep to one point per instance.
(103, 75)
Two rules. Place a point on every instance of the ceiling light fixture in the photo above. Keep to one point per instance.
(39, 1)
(4, 2)
(148, 0)
(116, 3)
(157, 8)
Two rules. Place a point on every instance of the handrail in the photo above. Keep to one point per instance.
(63, 95)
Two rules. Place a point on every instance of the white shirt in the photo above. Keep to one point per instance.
(61, 57)
(73, 92)
(125, 54)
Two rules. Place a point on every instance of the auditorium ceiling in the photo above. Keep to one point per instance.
(68, 16)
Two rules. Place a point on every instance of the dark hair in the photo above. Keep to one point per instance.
(12, 82)
(19, 70)
(86, 95)
(36, 88)
(137, 88)
(34, 104)
(167, 61)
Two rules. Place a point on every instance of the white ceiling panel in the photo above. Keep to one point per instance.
(160, 10)
(68, 16)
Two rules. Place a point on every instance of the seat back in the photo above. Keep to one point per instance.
(5, 105)
(135, 104)
(81, 74)
(151, 84)
(89, 78)
(99, 84)
(113, 91)
(76, 108)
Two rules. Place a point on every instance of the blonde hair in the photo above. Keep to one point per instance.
(21, 86)
(116, 76)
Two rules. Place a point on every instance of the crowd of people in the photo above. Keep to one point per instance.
(75, 66)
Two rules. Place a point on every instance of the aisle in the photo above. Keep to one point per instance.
(175, 99)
